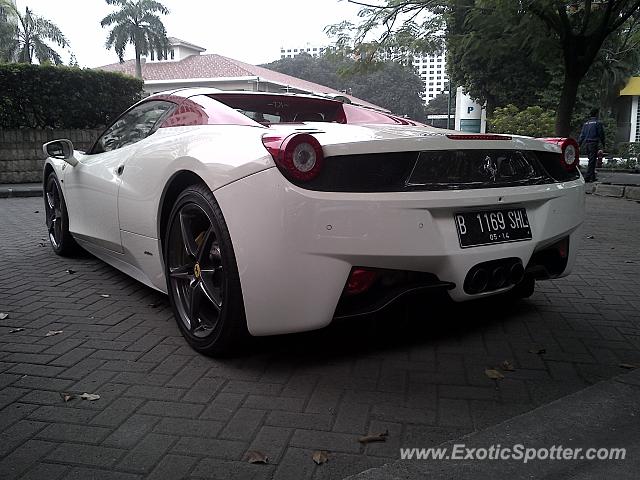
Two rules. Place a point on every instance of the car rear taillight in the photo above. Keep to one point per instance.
(360, 280)
(563, 247)
(477, 136)
(298, 156)
(570, 151)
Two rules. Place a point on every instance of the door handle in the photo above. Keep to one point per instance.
(119, 170)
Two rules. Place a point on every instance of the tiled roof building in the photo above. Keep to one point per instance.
(184, 65)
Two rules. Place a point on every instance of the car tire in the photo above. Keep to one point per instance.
(57, 219)
(202, 274)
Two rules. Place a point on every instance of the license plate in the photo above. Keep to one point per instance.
(486, 227)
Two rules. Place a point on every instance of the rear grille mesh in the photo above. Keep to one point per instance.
(438, 170)
(460, 169)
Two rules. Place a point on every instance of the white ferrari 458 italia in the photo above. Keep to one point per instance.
(266, 213)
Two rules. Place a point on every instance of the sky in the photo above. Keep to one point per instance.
(249, 30)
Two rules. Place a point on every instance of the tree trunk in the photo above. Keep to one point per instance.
(566, 104)
(489, 106)
(138, 64)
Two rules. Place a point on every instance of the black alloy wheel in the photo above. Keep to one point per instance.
(57, 219)
(202, 276)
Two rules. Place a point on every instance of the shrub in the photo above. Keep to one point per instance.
(47, 96)
(630, 150)
(531, 121)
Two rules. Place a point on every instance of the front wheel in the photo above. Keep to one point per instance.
(202, 275)
(57, 219)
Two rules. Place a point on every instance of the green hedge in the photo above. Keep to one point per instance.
(47, 96)
(532, 121)
(629, 150)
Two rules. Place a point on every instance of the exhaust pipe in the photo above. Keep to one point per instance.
(516, 273)
(478, 280)
(498, 277)
(494, 275)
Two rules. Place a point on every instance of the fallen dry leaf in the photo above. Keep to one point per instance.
(67, 396)
(493, 374)
(376, 437)
(255, 456)
(507, 366)
(90, 396)
(105, 295)
(538, 351)
(3, 316)
(51, 333)
(628, 366)
(320, 457)
(70, 271)
(16, 330)
(590, 237)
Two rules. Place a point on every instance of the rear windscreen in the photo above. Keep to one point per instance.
(269, 109)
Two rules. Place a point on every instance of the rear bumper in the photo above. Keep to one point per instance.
(295, 247)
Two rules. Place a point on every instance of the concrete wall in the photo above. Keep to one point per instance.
(21, 156)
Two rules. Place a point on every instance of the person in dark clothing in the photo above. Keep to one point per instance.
(591, 136)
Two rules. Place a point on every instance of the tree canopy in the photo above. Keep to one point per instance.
(136, 22)
(531, 121)
(389, 85)
(24, 36)
(495, 56)
(439, 105)
(506, 51)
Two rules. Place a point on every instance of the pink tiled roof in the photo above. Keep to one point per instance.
(218, 66)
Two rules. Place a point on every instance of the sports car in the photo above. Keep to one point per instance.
(267, 213)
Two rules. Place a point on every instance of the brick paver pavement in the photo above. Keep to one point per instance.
(167, 412)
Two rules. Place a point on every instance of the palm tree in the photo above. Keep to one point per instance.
(8, 37)
(136, 22)
(24, 36)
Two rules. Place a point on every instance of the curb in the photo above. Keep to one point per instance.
(21, 190)
(606, 414)
(629, 192)
(619, 170)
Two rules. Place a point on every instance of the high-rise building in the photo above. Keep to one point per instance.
(433, 72)
(432, 69)
(313, 50)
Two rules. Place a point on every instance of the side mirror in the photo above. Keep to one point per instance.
(60, 149)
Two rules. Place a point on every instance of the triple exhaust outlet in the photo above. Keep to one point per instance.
(494, 275)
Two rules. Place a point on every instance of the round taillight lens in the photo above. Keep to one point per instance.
(569, 155)
(299, 156)
(570, 152)
(304, 157)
